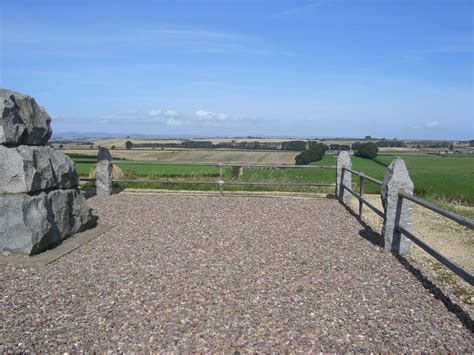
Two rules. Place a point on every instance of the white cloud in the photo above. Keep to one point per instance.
(432, 124)
(211, 116)
(167, 117)
(158, 112)
(155, 112)
(173, 122)
(171, 113)
(160, 116)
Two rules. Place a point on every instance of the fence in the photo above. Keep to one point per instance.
(105, 179)
(397, 199)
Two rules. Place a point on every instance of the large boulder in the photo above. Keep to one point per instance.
(27, 169)
(31, 224)
(22, 120)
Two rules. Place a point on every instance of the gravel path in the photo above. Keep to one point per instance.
(233, 274)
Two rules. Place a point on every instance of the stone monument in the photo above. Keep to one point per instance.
(40, 200)
(343, 177)
(398, 211)
(104, 173)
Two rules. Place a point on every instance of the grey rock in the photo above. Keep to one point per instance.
(397, 211)
(64, 170)
(343, 177)
(32, 224)
(12, 174)
(24, 223)
(27, 169)
(22, 120)
(104, 173)
(80, 213)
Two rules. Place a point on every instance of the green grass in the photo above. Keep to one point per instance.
(435, 177)
(445, 177)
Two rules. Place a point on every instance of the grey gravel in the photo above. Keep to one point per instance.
(196, 273)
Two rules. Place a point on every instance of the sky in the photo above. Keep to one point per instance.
(322, 68)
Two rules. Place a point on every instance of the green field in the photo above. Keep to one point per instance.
(445, 177)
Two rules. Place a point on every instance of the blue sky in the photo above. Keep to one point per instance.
(323, 68)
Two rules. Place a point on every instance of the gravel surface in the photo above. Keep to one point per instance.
(203, 273)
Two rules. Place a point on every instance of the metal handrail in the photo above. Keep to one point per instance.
(365, 202)
(242, 165)
(442, 259)
(201, 182)
(221, 183)
(467, 222)
(367, 177)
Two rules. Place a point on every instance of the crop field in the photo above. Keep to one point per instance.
(444, 177)
(203, 156)
(120, 142)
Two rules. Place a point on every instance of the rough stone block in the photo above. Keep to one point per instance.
(31, 224)
(343, 177)
(397, 211)
(22, 120)
(104, 173)
(27, 169)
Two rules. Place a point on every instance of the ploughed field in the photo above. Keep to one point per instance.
(434, 176)
(196, 273)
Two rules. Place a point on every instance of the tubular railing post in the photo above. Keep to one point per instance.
(361, 192)
(221, 179)
(343, 177)
(398, 210)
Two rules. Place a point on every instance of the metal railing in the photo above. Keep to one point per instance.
(464, 221)
(221, 182)
(467, 222)
(359, 196)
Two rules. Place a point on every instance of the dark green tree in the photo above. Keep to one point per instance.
(294, 145)
(355, 145)
(314, 153)
(367, 151)
(128, 145)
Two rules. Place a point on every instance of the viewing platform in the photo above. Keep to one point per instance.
(179, 272)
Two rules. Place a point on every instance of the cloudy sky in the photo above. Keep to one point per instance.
(324, 68)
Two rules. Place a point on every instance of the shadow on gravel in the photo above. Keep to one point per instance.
(462, 315)
(90, 191)
(367, 233)
(375, 238)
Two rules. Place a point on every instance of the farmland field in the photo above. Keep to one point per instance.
(446, 177)
(197, 155)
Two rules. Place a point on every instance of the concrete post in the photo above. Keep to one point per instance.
(398, 211)
(104, 173)
(343, 177)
